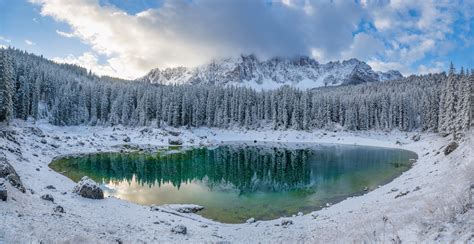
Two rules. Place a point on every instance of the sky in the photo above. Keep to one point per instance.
(127, 38)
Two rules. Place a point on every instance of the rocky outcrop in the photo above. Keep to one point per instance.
(88, 188)
(8, 173)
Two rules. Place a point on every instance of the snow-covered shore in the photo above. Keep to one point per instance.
(436, 190)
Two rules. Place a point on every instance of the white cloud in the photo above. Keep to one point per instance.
(433, 68)
(184, 33)
(29, 43)
(65, 34)
(4, 39)
(189, 34)
(89, 61)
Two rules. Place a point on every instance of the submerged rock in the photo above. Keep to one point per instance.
(184, 208)
(88, 188)
(450, 148)
(179, 229)
(8, 173)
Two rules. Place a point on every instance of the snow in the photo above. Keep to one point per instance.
(248, 71)
(435, 185)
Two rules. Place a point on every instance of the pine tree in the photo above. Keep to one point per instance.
(6, 86)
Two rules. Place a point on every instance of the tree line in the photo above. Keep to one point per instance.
(32, 87)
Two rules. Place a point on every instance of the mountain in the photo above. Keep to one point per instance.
(302, 72)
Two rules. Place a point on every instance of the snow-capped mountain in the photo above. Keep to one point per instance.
(302, 72)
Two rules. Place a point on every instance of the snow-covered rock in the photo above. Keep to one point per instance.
(450, 147)
(89, 189)
(302, 72)
(3, 191)
(8, 173)
(47, 197)
(175, 141)
(179, 229)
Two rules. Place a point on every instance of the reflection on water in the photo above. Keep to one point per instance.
(236, 182)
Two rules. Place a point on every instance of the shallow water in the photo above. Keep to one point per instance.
(235, 182)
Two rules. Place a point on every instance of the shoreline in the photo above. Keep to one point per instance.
(351, 219)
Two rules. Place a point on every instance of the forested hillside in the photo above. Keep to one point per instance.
(33, 87)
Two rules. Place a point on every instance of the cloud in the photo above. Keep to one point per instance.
(64, 34)
(87, 60)
(3, 46)
(4, 39)
(388, 34)
(29, 43)
(191, 33)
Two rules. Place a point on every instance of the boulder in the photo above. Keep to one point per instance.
(47, 197)
(3, 192)
(286, 222)
(416, 137)
(88, 188)
(173, 133)
(8, 173)
(179, 229)
(59, 209)
(175, 141)
(126, 139)
(450, 147)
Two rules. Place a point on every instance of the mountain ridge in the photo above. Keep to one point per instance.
(248, 70)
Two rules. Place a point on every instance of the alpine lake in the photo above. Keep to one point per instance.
(238, 181)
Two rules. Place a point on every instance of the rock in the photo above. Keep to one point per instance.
(183, 208)
(416, 137)
(50, 187)
(394, 189)
(366, 188)
(175, 141)
(8, 173)
(58, 209)
(44, 141)
(3, 192)
(126, 139)
(174, 133)
(398, 143)
(401, 194)
(300, 214)
(450, 148)
(286, 222)
(88, 188)
(47, 197)
(36, 131)
(250, 221)
(179, 229)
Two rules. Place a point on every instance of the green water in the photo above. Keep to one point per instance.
(236, 181)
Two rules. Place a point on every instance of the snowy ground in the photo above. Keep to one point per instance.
(437, 188)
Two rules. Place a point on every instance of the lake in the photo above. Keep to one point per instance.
(237, 181)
